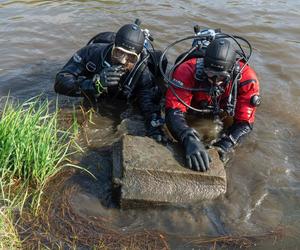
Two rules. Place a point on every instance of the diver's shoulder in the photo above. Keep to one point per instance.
(94, 51)
(97, 47)
(248, 71)
(188, 65)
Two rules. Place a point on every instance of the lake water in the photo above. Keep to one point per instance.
(38, 37)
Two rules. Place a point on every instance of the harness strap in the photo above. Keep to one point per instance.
(199, 76)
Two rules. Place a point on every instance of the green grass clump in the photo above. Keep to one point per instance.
(32, 148)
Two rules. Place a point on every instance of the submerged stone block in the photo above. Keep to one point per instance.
(149, 172)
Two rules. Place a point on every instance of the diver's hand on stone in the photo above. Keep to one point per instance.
(154, 124)
(157, 134)
(196, 155)
(111, 76)
(224, 146)
(224, 156)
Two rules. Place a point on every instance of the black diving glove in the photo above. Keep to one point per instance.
(196, 155)
(224, 146)
(109, 76)
(87, 86)
(154, 126)
(229, 141)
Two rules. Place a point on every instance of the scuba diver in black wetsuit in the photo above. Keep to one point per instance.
(122, 65)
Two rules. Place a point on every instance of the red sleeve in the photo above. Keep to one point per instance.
(248, 87)
(183, 76)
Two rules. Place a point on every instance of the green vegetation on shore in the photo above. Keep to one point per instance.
(32, 149)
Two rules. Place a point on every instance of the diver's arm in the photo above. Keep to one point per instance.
(148, 94)
(176, 123)
(71, 79)
(233, 137)
(175, 109)
(197, 157)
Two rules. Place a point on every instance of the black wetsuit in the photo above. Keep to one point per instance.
(90, 60)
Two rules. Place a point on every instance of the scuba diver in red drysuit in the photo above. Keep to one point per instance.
(224, 84)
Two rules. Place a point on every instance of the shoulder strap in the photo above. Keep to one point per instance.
(199, 74)
(96, 60)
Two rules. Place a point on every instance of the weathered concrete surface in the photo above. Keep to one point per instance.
(149, 172)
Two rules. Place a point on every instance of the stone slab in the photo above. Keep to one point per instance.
(151, 173)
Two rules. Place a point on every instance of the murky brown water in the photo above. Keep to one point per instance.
(37, 37)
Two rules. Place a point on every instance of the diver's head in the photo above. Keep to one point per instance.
(219, 61)
(128, 45)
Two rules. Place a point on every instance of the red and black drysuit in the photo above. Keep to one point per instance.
(184, 75)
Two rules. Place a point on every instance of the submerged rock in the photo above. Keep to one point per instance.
(151, 173)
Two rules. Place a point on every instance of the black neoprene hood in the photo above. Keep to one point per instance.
(220, 55)
(130, 37)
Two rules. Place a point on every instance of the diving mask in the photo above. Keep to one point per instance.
(124, 56)
(217, 76)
